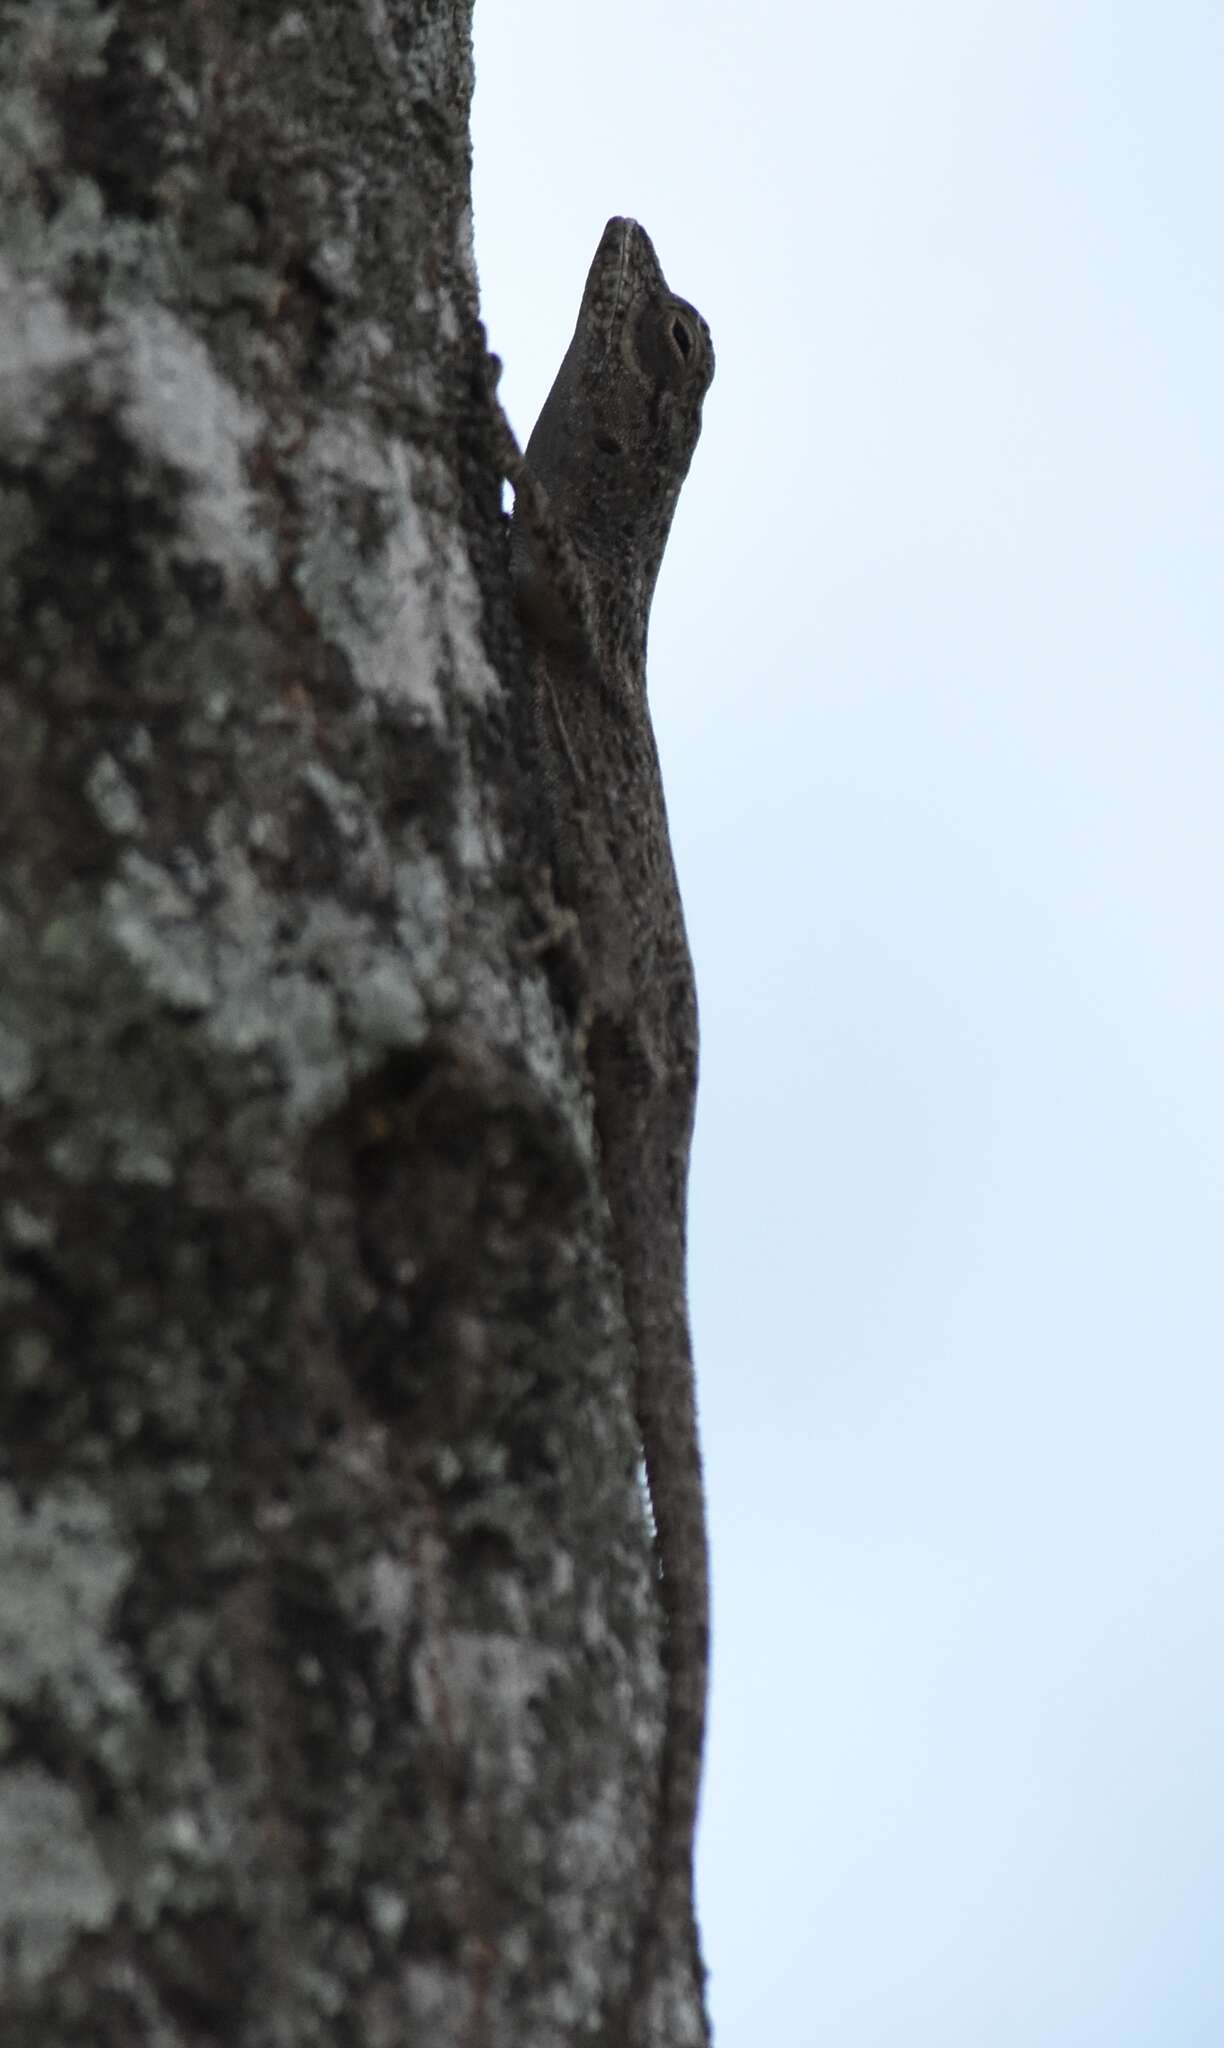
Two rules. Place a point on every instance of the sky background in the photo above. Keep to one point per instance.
(935, 670)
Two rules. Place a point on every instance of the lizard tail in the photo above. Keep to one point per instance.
(667, 1416)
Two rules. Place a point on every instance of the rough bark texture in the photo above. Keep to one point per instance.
(330, 1697)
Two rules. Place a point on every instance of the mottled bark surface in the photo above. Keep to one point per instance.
(329, 1682)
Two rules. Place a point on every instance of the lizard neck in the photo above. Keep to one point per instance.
(620, 612)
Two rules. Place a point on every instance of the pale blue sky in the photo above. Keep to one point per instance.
(936, 666)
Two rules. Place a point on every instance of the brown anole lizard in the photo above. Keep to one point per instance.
(595, 495)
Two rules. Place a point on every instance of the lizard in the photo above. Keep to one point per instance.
(595, 493)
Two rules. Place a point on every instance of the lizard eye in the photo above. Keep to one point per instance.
(682, 337)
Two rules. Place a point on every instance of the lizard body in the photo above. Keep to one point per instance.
(595, 494)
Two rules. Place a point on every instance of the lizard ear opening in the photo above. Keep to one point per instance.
(607, 444)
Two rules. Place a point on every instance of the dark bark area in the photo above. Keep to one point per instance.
(329, 1682)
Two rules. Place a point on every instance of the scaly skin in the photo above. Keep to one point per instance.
(595, 496)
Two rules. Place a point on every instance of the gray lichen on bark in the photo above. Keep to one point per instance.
(329, 1681)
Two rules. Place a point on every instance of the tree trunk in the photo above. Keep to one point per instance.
(330, 1695)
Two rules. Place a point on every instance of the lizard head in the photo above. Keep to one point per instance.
(613, 443)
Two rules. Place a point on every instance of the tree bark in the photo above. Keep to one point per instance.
(330, 1693)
